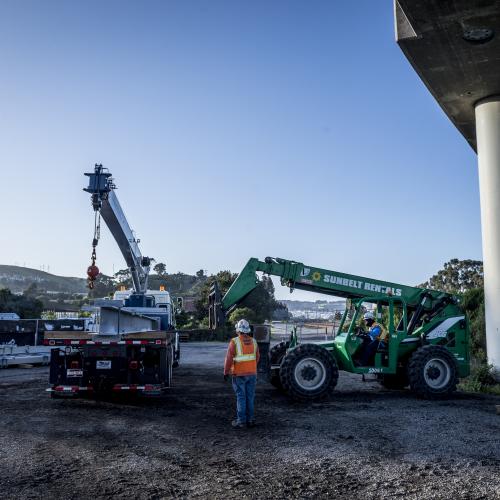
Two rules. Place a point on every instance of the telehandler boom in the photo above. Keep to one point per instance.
(428, 333)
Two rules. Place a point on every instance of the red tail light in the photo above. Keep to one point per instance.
(133, 365)
(75, 364)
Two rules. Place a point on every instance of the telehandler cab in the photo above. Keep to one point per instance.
(427, 345)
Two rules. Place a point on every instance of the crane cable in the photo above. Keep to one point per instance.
(93, 270)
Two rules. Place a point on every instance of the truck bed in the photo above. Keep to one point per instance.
(59, 338)
(84, 362)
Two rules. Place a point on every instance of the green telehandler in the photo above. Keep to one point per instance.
(427, 345)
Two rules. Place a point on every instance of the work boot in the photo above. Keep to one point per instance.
(251, 423)
(237, 425)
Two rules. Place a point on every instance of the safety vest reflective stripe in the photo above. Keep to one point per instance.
(240, 357)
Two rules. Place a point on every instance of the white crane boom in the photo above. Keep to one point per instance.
(105, 201)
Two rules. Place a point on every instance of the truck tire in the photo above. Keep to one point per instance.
(276, 355)
(397, 381)
(309, 372)
(432, 372)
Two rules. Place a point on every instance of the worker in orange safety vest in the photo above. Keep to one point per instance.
(241, 362)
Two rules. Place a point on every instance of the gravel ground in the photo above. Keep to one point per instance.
(366, 442)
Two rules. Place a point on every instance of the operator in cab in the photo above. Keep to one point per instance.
(241, 362)
(376, 337)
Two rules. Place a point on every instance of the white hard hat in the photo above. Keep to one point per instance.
(368, 315)
(243, 326)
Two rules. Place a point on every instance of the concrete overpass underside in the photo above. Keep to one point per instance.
(454, 46)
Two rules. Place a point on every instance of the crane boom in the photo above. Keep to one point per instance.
(297, 275)
(105, 201)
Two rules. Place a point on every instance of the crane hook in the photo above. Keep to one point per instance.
(93, 270)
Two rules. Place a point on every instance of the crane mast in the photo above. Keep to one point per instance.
(105, 203)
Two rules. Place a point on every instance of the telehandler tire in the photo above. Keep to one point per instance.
(432, 372)
(276, 355)
(309, 372)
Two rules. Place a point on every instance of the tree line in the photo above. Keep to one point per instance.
(465, 278)
(25, 305)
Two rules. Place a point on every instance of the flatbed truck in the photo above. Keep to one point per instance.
(136, 345)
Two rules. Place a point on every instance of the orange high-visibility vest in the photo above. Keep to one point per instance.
(245, 360)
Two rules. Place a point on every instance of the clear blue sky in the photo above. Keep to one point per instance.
(233, 129)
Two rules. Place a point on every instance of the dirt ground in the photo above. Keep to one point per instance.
(366, 442)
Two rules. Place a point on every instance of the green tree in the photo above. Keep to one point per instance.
(49, 315)
(465, 278)
(242, 313)
(225, 279)
(200, 273)
(182, 319)
(160, 269)
(473, 305)
(26, 307)
(260, 300)
(457, 276)
(104, 286)
(281, 312)
(123, 278)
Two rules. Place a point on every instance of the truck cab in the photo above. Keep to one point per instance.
(154, 303)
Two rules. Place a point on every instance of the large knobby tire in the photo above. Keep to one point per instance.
(309, 372)
(276, 355)
(432, 372)
(397, 381)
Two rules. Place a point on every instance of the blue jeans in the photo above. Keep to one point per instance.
(244, 387)
(369, 350)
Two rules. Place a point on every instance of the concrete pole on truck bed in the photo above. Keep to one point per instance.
(488, 154)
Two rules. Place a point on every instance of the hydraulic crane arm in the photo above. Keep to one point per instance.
(105, 201)
(297, 275)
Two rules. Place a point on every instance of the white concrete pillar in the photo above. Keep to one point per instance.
(488, 152)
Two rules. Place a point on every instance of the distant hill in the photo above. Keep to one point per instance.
(17, 279)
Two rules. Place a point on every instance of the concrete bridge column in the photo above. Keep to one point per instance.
(488, 151)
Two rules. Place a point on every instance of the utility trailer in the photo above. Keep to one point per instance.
(86, 364)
